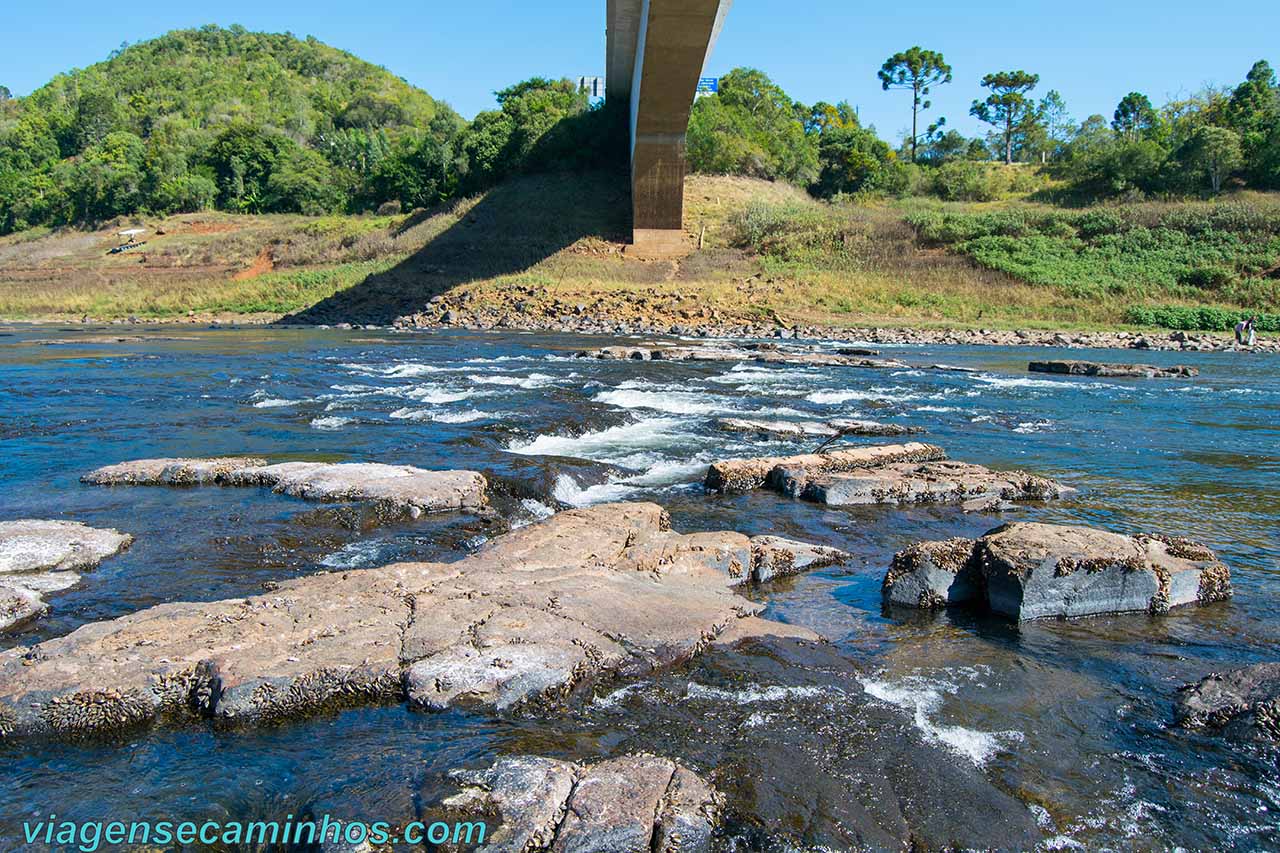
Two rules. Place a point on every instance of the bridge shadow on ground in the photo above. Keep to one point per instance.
(514, 227)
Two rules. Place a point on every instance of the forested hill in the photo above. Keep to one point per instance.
(198, 118)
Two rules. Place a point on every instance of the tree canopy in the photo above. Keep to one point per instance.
(254, 122)
(1007, 105)
(916, 70)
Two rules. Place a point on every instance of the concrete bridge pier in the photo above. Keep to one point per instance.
(657, 50)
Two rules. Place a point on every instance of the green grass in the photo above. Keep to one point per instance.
(1222, 253)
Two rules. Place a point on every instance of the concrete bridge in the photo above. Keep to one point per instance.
(657, 50)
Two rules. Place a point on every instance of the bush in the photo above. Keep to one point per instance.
(1198, 319)
(963, 180)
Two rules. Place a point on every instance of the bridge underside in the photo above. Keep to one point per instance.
(656, 52)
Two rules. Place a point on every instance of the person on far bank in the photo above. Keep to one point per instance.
(1244, 329)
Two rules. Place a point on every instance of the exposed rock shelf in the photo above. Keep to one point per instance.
(1243, 702)
(1093, 368)
(820, 429)
(916, 483)
(38, 557)
(625, 804)
(402, 487)
(764, 353)
(912, 473)
(743, 475)
(609, 590)
(1029, 570)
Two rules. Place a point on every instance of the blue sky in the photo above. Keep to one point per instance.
(818, 50)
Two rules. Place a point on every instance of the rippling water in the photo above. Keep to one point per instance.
(1070, 717)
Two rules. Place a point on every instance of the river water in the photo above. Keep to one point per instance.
(1071, 718)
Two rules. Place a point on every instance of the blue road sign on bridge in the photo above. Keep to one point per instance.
(708, 85)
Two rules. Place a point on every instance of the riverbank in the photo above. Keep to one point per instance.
(491, 319)
(548, 253)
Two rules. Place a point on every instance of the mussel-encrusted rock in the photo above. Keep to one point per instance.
(1244, 702)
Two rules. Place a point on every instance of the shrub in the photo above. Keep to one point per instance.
(1198, 318)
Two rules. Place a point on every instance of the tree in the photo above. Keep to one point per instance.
(916, 70)
(947, 147)
(752, 127)
(1214, 153)
(5, 94)
(1007, 105)
(853, 159)
(1056, 121)
(1253, 111)
(822, 116)
(1255, 102)
(243, 158)
(1134, 116)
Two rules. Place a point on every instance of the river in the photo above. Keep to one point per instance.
(1073, 718)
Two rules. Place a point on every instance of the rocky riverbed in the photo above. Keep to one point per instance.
(639, 319)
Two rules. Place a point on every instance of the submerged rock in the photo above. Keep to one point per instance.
(1244, 702)
(807, 759)
(402, 487)
(609, 590)
(1093, 368)
(632, 803)
(909, 483)
(742, 475)
(822, 429)
(1030, 570)
(39, 557)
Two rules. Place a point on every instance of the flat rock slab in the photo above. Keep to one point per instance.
(30, 545)
(822, 429)
(605, 591)
(910, 483)
(402, 487)
(38, 557)
(1243, 702)
(743, 475)
(1030, 571)
(1093, 368)
(622, 805)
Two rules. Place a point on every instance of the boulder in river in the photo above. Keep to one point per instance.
(590, 593)
(402, 487)
(635, 802)
(1243, 702)
(38, 557)
(743, 475)
(1029, 570)
(1093, 368)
